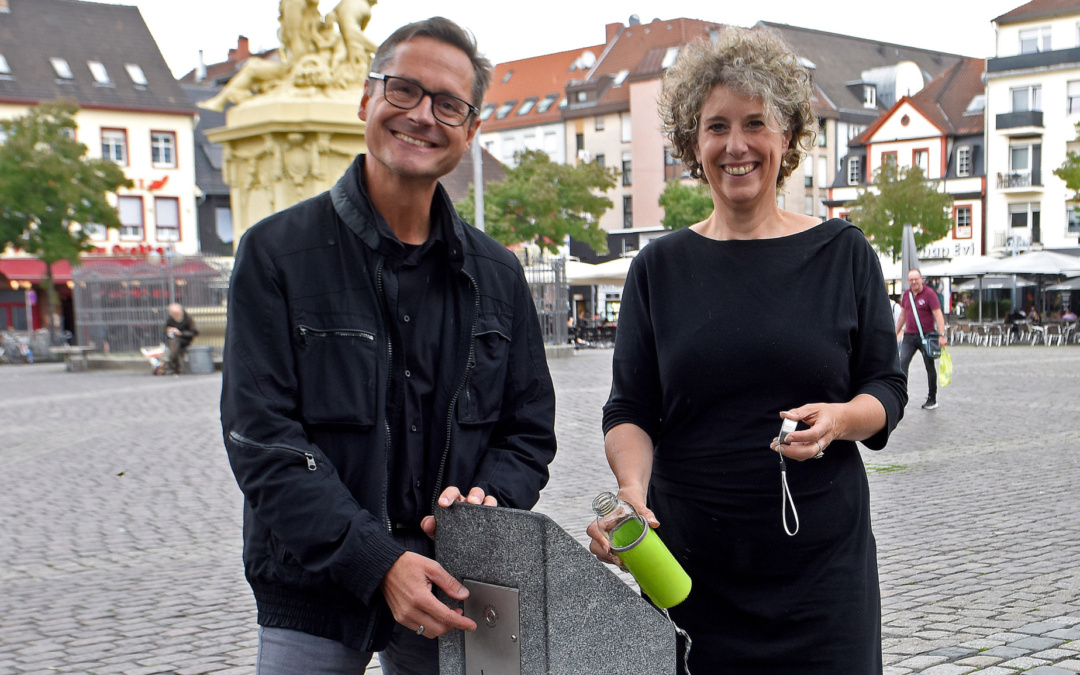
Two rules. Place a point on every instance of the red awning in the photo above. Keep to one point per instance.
(33, 270)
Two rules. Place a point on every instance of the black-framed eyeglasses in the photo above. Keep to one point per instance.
(406, 94)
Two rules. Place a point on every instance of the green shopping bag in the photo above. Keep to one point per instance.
(944, 368)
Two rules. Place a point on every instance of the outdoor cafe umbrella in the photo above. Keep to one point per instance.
(610, 273)
(993, 282)
(909, 255)
(1067, 285)
(1039, 264)
(967, 266)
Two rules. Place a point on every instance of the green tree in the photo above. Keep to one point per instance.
(902, 196)
(541, 202)
(685, 205)
(48, 188)
(1069, 171)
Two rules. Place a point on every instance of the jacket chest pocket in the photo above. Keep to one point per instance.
(337, 372)
(480, 401)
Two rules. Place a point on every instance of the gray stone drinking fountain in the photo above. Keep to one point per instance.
(542, 603)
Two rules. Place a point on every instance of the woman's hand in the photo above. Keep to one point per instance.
(810, 443)
(600, 546)
(858, 419)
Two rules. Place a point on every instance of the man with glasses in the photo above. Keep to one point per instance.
(383, 359)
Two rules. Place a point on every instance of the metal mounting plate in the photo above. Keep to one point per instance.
(495, 647)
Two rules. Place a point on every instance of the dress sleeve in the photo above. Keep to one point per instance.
(875, 363)
(635, 383)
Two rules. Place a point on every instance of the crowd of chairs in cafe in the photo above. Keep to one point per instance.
(999, 333)
(1016, 328)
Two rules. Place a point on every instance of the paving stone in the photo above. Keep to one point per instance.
(1023, 663)
(1035, 643)
(126, 550)
(1006, 652)
(979, 661)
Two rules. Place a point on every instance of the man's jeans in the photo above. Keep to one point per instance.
(289, 652)
(908, 349)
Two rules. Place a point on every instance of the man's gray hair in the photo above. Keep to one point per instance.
(447, 32)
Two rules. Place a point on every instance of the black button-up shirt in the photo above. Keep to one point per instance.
(415, 281)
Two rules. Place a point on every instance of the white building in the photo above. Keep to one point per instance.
(132, 110)
(1032, 107)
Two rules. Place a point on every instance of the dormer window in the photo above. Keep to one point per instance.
(669, 57)
(869, 96)
(63, 70)
(97, 69)
(505, 109)
(527, 105)
(486, 111)
(507, 76)
(136, 74)
(5, 69)
(545, 103)
(621, 76)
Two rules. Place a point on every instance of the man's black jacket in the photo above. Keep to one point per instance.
(305, 372)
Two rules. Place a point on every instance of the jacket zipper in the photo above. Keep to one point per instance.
(389, 372)
(309, 457)
(461, 386)
(308, 331)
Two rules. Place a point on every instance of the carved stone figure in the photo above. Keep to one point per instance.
(352, 17)
(318, 55)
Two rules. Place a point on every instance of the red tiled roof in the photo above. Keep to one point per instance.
(946, 98)
(640, 48)
(534, 77)
(1039, 9)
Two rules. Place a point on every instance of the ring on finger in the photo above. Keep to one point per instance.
(420, 630)
(820, 451)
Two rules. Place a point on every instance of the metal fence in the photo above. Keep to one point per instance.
(121, 303)
(547, 281)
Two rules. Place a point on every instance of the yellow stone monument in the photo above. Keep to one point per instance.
(293, 129)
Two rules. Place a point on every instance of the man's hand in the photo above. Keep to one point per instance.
(407, 588)
(451, 495)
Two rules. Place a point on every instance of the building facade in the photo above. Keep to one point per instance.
(940, 130)
(132, 111)
(1032, 108)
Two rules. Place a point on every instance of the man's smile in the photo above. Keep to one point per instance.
(414, 141)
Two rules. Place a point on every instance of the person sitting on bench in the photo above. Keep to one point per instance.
(179, 332)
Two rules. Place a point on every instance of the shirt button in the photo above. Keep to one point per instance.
(413, 428)
(417, 483)
(406, 319)
(408, 373)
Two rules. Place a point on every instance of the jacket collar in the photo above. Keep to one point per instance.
(352, 204)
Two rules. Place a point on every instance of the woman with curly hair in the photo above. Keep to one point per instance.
(728, 328)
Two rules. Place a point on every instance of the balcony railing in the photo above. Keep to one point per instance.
(1023, 118)
(1013, 180)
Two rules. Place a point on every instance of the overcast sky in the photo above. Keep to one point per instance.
(507, 31)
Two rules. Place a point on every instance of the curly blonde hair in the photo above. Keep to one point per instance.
(754, 61)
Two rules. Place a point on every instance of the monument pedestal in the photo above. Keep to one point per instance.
(279, 151)
(542, 603)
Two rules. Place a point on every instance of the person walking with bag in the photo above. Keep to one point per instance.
(914, 326)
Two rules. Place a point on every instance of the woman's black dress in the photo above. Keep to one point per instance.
(715, 338)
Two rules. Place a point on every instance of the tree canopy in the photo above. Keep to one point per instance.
(902, 196)
(542, 202)
(49, 187)
(685, 205)
(1069, 171)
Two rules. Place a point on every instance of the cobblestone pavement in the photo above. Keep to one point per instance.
(120, 520)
